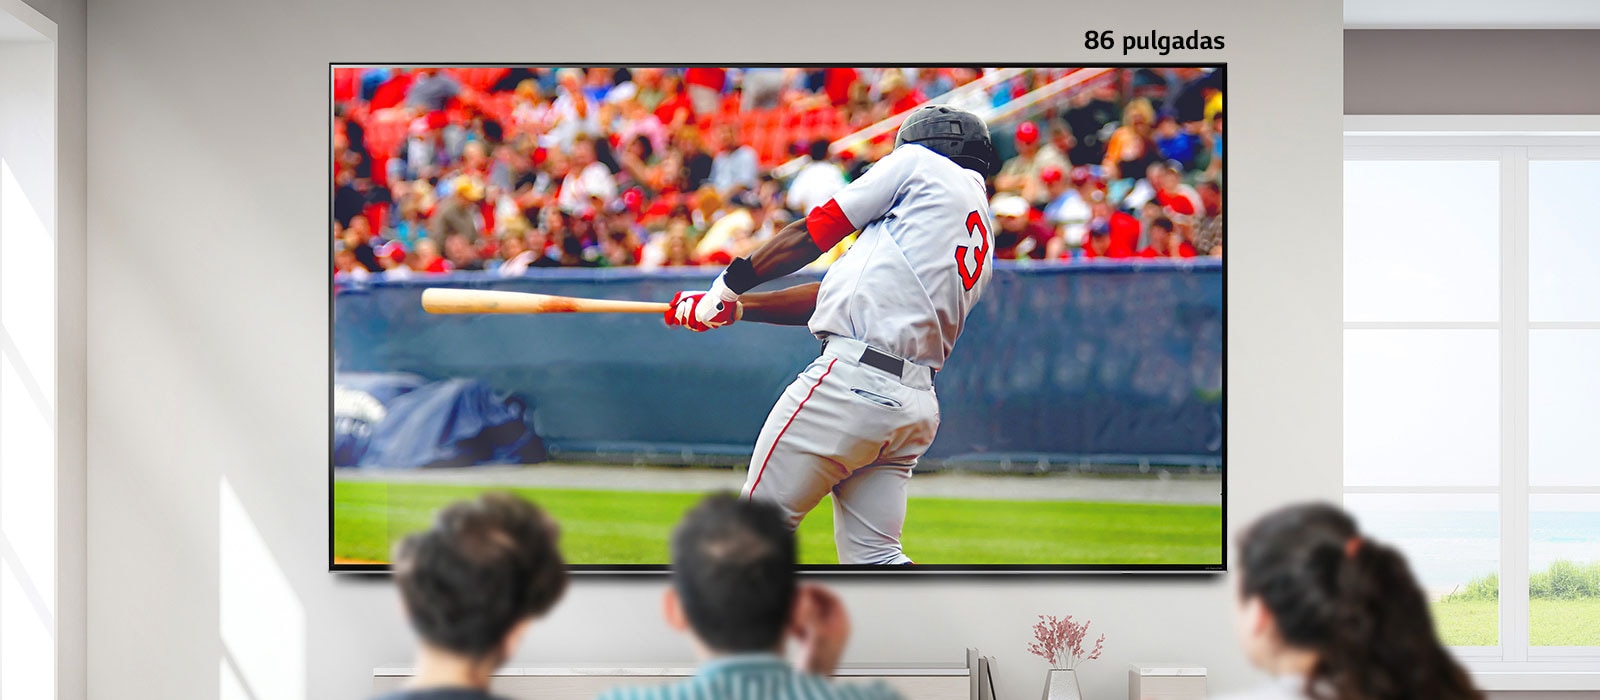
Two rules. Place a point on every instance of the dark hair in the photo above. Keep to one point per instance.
(1351, 600)
(484, 566)
(733, 566)
(644, 143)
(818, 150)
(1161, 222)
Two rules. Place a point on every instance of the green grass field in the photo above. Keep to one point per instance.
(629, 527)
(1552, 623)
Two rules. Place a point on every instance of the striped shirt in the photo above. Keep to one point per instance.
(753, 677)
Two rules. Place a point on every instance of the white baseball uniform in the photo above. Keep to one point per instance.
(898, 299)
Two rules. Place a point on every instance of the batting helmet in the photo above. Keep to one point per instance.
(953, 133)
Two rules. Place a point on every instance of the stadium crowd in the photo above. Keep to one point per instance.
(505, 169)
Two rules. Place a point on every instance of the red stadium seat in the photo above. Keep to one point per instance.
(479, 79)
(346, 84)
(386, 130)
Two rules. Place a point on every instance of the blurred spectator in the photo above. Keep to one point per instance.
(1070, 207)
(1017, 236)
(572, 253)
(1208, 239)
(762, 88)
(817, 182)
(1132, 146)
(1164, 242)
(1020, 174)
(896, 94)
(458, 213)
(573, 112)
(598, 82)
(696, 162)
(358, 240)
(351, 196)
(431, 90)
(732, 236)
(674, 109)
(471, 585)
(619, 246)
(1174, 143)
(516, 256)
(735, 166)
(529, 110)
(636, 122)
(672, 248)
(1180, 211)
(1200, 95)
(459, 251)
(1210, 197)
(427, 259)
(1101, 244)
(1168, 180)
(586, 180)
(392, 258)
(346, 265)
(705, 86)
(1056, 153)
(1091, 111)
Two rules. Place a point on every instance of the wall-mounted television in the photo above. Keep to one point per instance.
(946, 318)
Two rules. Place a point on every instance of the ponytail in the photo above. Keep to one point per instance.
(1384, 644)
(1354, 602)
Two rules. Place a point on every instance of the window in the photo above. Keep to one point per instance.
(1472, 375)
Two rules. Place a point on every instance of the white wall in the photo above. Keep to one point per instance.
(207, 301)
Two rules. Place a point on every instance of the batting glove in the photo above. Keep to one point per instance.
(703, 311)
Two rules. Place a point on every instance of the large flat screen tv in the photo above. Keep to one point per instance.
(970, 318)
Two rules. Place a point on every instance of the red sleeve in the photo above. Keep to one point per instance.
(828, 225)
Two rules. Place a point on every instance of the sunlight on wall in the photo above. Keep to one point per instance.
(263, 624)
(27, 446)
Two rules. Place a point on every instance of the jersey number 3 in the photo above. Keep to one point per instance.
(980, 252)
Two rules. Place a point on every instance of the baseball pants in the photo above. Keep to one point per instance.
(852, 430)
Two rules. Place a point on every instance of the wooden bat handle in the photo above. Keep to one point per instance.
(445, 300)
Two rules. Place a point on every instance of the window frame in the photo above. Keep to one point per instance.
(1512, 141)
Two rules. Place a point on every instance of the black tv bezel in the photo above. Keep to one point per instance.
(939, 570)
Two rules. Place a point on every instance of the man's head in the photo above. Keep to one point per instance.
(1061, 137)
(818, 150)
(512, 245)
(1161, 233)
(1055, 181)
(733, 575)
(472, 581)
(1011, 212)
(427, 252)
(459, 250)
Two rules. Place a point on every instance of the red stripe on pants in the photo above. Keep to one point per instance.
(785, 429)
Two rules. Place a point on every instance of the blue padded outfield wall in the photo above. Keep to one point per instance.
(1111, 363)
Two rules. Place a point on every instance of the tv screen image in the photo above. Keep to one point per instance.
(968, 318)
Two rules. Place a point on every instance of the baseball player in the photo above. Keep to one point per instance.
(888, 312)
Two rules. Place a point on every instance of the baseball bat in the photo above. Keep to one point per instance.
(443, 300)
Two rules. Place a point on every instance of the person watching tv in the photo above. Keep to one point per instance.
(1332, 613)
(734, 591)
(472, 585)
